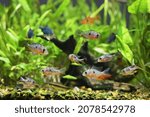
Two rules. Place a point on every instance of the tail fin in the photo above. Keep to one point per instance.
(63, 70)
(107, 70)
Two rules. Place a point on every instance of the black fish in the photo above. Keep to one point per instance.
(111, 38)
(46, 30)
(30, 33)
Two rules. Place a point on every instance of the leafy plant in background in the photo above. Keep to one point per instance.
(64, 18)
(140, 11)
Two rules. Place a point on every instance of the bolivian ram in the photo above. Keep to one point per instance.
(52, 74)
(105, 58)
(26, 83)
(89, 34)
(130, 70)
(96, 74)
(75, 59)
(38, 49)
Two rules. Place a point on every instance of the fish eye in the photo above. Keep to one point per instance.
(85, 72)
(89, 33)
(97, 35)
(50, 70)
(43, 50)
(93, 72)
(36, 47)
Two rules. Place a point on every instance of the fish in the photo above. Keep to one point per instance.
(37, 49)
(46, 30)
(52, 71)
(30, 33)
(129, 71)
(111, 38)
(75, 59)
(90, 35)
(52, 74)
(105, 58)
(26, 83)
(27, 80)
(48, 34)
(96, 74)
(89, 20)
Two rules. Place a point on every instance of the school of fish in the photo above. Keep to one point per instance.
(92, 73)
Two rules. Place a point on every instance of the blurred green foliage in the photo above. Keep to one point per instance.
(64, 18)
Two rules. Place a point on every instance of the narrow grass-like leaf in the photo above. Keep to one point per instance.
(78, 46)
(15, 10)
(61, 8)
(69, 77)
(97, 11)
(6, 60)
(25, 5)
(42, 17)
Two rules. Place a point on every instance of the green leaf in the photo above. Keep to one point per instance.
(124, 34)
(25, 5)
(15, 10)
(97, 11)
(6, 60)
(139, 6)
(70, 77)
(76, 64)
(124, 49)
(13, 37)
(42, 17)
(9, 47)
(61, 8)
(78, 46)
(2, 53)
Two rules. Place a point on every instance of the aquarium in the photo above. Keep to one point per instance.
(75, 49)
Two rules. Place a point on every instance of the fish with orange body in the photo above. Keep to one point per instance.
(52, 73)
(96, 74)
(37, 49)
(91, 34)
(89, 20)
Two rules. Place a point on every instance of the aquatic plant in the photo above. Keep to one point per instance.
(64, 18)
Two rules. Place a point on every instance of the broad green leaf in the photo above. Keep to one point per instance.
(25, 5)
(124, 34)
(139, 6)
(100, 50)
(124, 49)
(70, 77)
